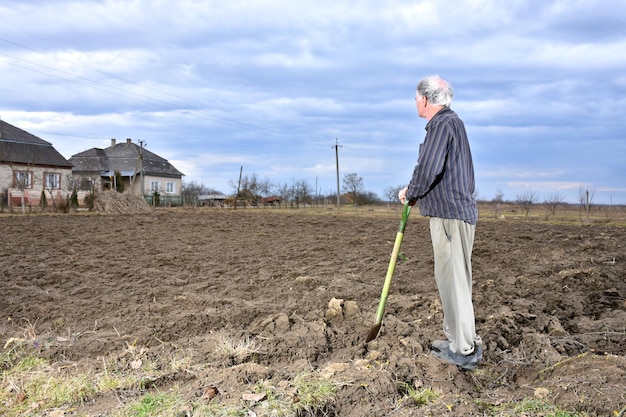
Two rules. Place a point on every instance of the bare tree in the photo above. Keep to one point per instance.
(190, 191)
(301, 192)
(285, 192)
(498, 200)
(585, 198)
(553, 201)
(367, 197)
(526, 201)
(88, 183)
(353, 184)
(264, 187)
(391, 193)
(73, 185)
(499, 197)
(23, 178)
(63, 193)
(50, 183)
(249, 188)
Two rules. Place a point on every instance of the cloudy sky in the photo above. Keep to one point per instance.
(270, 86)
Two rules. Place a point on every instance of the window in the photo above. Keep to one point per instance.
(86, 184)
(52, 181)
(170, 187)
(155, 185)
(23, 179)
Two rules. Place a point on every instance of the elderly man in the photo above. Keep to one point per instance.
(443, 186)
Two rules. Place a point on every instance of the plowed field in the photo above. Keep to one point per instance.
(302, 287)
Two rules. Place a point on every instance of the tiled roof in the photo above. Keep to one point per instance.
(122, 157)
(20, 147)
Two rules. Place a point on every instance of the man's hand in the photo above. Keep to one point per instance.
(402, 194)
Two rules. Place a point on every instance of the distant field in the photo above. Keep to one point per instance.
(570, 214)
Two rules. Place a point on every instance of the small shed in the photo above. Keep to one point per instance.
(212, 200)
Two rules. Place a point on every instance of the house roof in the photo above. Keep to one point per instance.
(123, 157)
(20, 147)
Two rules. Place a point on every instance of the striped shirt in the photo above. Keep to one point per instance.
(443, 179)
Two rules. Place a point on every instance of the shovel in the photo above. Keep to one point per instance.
(392, 266)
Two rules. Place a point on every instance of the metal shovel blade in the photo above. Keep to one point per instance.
(371, 335)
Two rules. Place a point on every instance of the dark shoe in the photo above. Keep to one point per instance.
(441, 345)
(465, 362)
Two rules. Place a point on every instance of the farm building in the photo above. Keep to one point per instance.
(29, 166)
(212, 200)
(32, 171)
(127, 166)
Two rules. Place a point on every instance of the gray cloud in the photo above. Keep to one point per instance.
(215, 85)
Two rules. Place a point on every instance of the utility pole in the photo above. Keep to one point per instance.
(316, 194)
(143, 182)
(238, 186)
(337, 162)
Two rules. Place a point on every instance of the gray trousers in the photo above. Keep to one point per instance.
(452, 246)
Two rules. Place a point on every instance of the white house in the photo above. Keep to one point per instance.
(28, 166)
(128, 166)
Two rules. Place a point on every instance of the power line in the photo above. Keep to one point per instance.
(108, 74)
(133, 95)
(77, 82)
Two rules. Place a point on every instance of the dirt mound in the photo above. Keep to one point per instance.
(112, 202)
(302, 290)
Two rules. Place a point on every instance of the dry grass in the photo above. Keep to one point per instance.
(33, 386)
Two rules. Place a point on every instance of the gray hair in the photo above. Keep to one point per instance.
(436, 90)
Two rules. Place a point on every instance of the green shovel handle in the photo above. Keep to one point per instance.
(392, 262)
